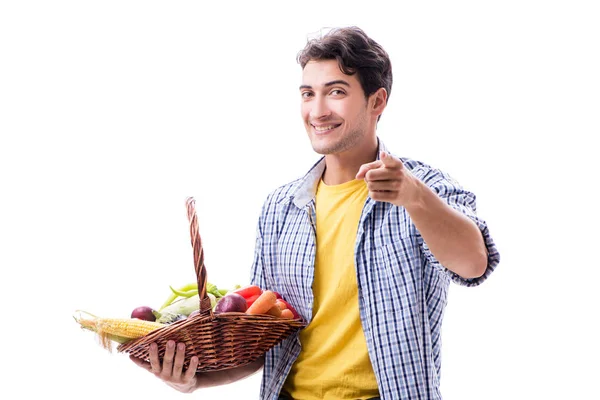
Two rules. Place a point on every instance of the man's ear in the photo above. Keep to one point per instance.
(378, 101)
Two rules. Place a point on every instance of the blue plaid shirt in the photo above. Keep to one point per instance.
(402, 288)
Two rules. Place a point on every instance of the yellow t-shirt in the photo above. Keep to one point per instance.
(334, 362)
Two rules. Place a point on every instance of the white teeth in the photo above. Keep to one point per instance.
(324, 128)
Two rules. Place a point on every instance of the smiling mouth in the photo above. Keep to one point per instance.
(325, 128)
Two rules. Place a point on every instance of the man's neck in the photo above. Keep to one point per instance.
(343, 167)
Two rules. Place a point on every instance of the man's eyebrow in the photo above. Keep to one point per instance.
(337, 82)
(331, 83)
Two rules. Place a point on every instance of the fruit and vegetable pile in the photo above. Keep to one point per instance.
(182, 303)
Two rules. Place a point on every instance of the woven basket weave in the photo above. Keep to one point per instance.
(220, 341)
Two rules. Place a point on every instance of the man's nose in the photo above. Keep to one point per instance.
(319, 108)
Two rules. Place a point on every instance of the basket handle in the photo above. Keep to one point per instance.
(205, 308)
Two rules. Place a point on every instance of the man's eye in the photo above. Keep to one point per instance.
(306, 95)
(337, 92)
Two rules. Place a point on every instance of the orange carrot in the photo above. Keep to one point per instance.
(282, 306)
(287, 314)
(263, 304)
(275, 311)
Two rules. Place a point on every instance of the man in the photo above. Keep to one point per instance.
(364, 246)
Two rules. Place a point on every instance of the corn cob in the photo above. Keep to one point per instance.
(119, 330)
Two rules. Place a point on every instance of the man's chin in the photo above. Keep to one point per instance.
(323, 150)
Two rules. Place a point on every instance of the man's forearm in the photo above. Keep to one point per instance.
(453, 238)
(218, 378)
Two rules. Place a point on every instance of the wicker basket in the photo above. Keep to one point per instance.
(220, 341)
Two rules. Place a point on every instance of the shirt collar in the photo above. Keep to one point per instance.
(306, 188)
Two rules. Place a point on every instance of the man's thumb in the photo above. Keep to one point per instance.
(362, 171)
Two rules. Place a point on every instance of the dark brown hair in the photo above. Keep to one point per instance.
(356, 53)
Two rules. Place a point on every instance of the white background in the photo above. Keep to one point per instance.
(112, 112)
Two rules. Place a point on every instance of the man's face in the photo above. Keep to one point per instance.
(334, 108)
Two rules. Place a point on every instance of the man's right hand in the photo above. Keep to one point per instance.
(171, 371)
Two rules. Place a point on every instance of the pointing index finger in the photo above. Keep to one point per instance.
(390, 161)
